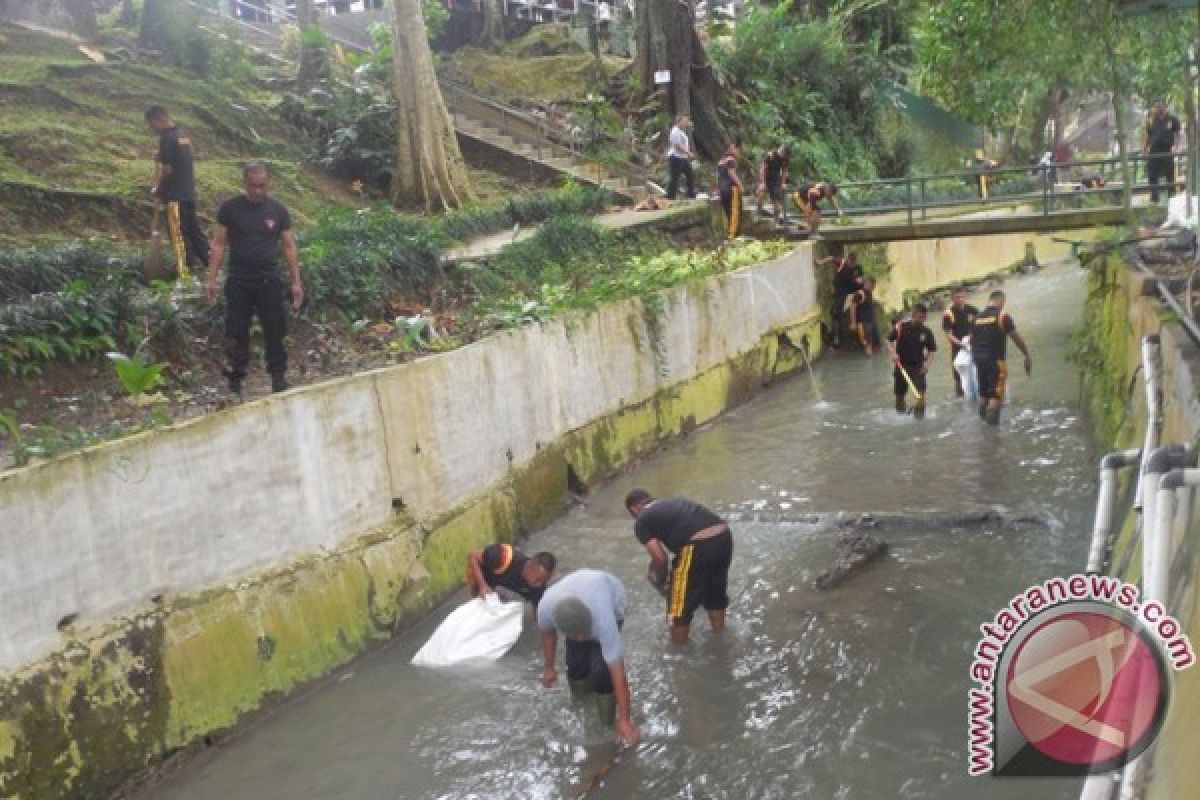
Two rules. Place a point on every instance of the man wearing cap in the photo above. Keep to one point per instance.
(587, 607)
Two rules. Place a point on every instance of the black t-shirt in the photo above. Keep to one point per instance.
(725, 170)
(989, 334)
(773, 166)
(846, 276)
(1161, 133)
(254, 232)
(673, 520)
(958, 321)
(175, 151)
(502, 565)
(864, 303)
(912, 341)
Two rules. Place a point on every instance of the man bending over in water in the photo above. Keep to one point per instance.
(703, 548)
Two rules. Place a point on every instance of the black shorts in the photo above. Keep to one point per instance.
(993, 377)
(700, 577)
(900, 385)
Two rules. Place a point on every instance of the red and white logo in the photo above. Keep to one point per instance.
(1086, 688)
(1073, 677)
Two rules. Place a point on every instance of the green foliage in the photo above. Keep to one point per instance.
(349, 257)
(76, 301)
(808, 86)
(135, 375)
(526, 209)
(983, 56)
(572, 264)
(437, 17)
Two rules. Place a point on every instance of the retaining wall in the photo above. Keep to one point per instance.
(155, 590)
(1122, 309)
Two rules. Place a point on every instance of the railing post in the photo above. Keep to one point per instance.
(924, 201)
(1045, 191)
(908, 191)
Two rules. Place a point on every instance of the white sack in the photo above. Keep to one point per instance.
(479, 629)
(964, 365)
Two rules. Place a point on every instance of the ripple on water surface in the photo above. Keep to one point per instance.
(855, 693)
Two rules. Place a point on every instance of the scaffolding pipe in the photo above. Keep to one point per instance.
(1106, 502)
(1158, 554)
(1150, 373)
(1161, 462)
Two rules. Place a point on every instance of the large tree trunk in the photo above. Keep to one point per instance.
(491, 35)
(429, 165)
(314, 57)
(667, 40)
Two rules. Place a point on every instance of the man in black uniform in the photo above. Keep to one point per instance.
(729, 187)
(847, 279)
(772, 175)
(956, 323)
(255, 227)
(175, 185)
(505, 566)
(989, 337)
(912, 347)
(808, 199)
(1159, 145)
(861, 306)
(703, 548)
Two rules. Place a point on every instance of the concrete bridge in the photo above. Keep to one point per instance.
(987, 223)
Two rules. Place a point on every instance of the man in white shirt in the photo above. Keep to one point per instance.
(679, 158)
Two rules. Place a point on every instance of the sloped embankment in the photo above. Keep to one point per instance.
(76, 158)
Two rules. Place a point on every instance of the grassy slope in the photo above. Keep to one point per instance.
(76, 156)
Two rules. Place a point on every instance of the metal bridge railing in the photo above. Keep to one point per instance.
(1037, 185)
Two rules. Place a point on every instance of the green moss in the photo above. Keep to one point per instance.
(492, 518)
(540, 489)
(1105, 349)
(78, 728)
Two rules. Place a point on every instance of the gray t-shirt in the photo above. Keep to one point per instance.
(603, 595)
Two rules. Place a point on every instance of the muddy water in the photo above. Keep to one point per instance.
(858, 693)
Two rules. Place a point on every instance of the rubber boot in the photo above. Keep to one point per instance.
(580, 688)
(983, 409)
(919, 410)
(606, 708)
(992, 417)
(900, 407)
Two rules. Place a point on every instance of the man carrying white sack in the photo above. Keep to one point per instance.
(587, 607)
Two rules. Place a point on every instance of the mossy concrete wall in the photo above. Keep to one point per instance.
(1121, 309)
(156, 590)
(924, 264)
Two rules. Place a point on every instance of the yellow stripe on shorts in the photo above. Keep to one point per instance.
(679, 582)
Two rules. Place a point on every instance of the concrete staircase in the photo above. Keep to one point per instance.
(514, 133)
(544, 154)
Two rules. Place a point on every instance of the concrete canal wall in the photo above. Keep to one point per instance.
(1121, 309)
(157, 589)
